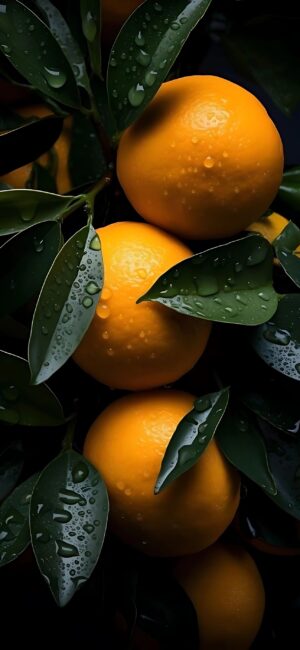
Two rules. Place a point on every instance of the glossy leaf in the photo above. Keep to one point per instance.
(229, 283)
(44, 66)
(66, 304)
(276, 405)
(68, 518)
(91, 27)
(289, 190)
(24, 263)
(26, 143)
(285, 246)
(278, 341)
(21, 403)
(86, 160)
(145, 49)
(14, 522)
(11, 465)
(20, 209)
(193, 434)
(243, 445)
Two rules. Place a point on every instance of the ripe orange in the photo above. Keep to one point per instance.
(226, 589)
(204, 160)
(18, 178)
(141, 346)
(126, 443)
(114, 14)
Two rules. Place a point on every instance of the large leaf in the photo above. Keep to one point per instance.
(32, 49)
(278, 341)
(68, 518)
(289, 190)
(280, 407)
(191, 437)
(66, 304)
(144, 52)
(86, 160)
(14, 522)
(20, 209)
(91, 27)
(24, 263)
(11, 465)
(21, 403)
(229, 283)
(26, 143)
(286, 245)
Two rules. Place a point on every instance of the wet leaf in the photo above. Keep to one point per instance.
(68, 518)
(24, 263)
(278, 341)
(11, 465)
(66, 304)
(14, 522)
(32, 49)
(86, 160)
(193, 434)
(275, 404)
(21, 403)
(289, 190)
(91, 27)
(20, 209)
(229, 283)
(146, 48)
(285, 246)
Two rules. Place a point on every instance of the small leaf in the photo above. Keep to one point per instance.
(21, 403)
(69, 296)
(86, 160)
(14, 522)
(191, 437)
(289, 190)
(11, 465)
(26, 143)
(278, 341)
(244, 447)
(229, 283)
(285, 246)
(32, 49)
(276, 405)
(91, 27)
(146, 48)
(20, 209)
(68, 518)
(24, 263)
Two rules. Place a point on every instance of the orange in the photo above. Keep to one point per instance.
(19, 178)
(141, 346)
(204, 160)
(114, 14)
(227, 592)
(126, 443)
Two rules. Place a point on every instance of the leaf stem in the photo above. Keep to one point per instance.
(69, 437)
(90, 196)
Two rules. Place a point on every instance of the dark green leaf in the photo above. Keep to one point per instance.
(25, 260)
(91, 27)
(278, 341)
(21, 403)
(289, 190)
(68, 518)
(66, 304)
(42, 179)
(20, 209)
(144, 52)
(229, 283)
(32, 49)
(285, 246)
(191, 437)
(10, 120)
(11, 465)
(86, 160)
(276, 405)
(244, 447)
(103, 107)
(28, 142)
(14, 522)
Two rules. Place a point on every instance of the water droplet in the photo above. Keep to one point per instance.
(10, 393)
(87, 302)
(257, 256)
(80, 472)
(88, 528)
(157, 7)
(202, 404)
(136, 95)
(276, 335)
(69, 308)
(143, 58)
(238, 267)
(175, 26)
(209, 162)
(69, 497)
(42, 537)
(113, 62)
(103, 311)
(27, 216)
(263, 296)
(105, 335)
(64, 549)
(110, 352)
(91, 288)
(243, 425)
(150, 77)
(106, 293)
(38, 245)
(206, 286)
(55, 78)
(225, 154)
(139, 39)
(128, 492)
(62, 516)
(241, 299)
(95, 244)
(89, 26)
(44, 330)
(120, 485)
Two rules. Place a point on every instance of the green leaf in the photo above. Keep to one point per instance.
(191, 437)
(86, 160)
(276, 405)
(24, 263)
(32, 49)
(144, 52)
(101, 100)
(66, 304)
(285, 246)
(229, 283)
(278, 341)
(68, 518)
(26, 143)
(289, 190)
(10, 120)
(20, 209)
(244, 447)
(11, 465)
(91, 27)
(21, 403)
(14, 522)
(41, 179)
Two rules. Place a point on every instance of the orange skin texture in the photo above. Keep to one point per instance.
(204, 160)
(227, 592)
(114, 14)
(126, 443)
(19, 177)
(132, 346)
